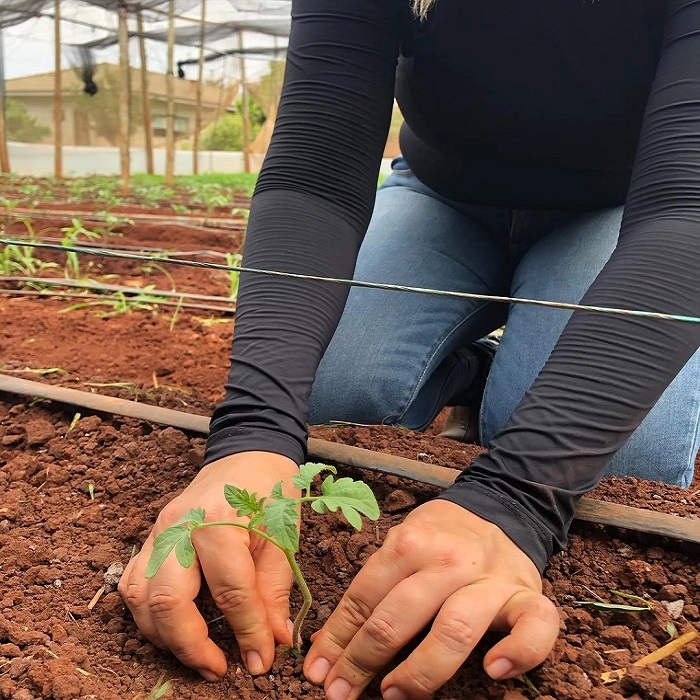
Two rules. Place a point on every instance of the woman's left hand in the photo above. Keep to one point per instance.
(443, 565)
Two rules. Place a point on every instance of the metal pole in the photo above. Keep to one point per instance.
(124, 98)
(198, 107)
(57, 99)
(145, 96)
(170, 94)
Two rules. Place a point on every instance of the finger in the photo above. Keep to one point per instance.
(274, 581)
(463, 619)
(133, 588)
(228, 568)
(382, 572)
(534, 623)
(389, 629)
(178, 622)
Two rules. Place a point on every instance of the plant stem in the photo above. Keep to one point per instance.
(296, 571)
(306, 594)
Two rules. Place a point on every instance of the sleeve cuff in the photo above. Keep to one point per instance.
(246, 439)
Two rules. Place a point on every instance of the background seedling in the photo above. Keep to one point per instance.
(275, 518)
(234, 260)
(159, 690)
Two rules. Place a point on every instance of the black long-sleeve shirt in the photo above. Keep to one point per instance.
(545, 103)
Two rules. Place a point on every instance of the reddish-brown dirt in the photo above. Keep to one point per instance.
(56, 542)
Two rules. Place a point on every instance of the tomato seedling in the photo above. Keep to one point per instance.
(276, 519)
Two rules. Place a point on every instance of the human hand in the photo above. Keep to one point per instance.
(249, 578)
(446, 565)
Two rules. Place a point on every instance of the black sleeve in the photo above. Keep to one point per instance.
(607, 372)
(309, 213)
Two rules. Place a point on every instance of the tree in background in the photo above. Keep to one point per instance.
(226, 133)
(20, 126)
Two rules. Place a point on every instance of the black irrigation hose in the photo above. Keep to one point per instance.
(134, 291)
(588, 509)
(366, 285)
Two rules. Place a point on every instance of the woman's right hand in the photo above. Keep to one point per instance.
(249, 578)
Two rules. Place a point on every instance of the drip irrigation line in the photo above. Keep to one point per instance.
(105, 300)
(588, 509)
(136, 291)
(201, 223)
(129, 248)
(366, 285)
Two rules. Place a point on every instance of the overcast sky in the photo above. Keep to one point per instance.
(29, 46)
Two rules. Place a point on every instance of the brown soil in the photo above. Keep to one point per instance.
(56, 542)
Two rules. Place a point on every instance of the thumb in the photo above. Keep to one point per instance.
(274, 580)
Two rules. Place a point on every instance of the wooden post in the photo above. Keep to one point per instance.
(124, 98)
(4, 156)
(170, 95)
(198, 106)
(57, 99)
(245, 111)
(145, 96)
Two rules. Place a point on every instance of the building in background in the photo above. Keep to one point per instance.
(93, 120)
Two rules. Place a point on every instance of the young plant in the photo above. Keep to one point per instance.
(71, 236)
(234, 276)
(275, 518)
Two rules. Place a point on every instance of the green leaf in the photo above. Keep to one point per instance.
(243, 502)
(629, 596)
(176, 536)
(352, 497)
(307, 473)
(611, 606)
(282, 523)
(184, 551)
(277, 491)
(163, 545)
(191, 519)
(319, 507)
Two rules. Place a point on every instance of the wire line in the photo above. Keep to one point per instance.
(358, 283)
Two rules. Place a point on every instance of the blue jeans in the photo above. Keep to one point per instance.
(398, 357)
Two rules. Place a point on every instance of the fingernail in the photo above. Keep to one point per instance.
(500, 668)
(318, 670)
(254, 663)
(394, 693)
(339, 690)
(209, 676)
(290, 627)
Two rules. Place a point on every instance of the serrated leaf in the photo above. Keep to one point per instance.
(194, 517)
(308, 472)
(352, 497)
(281, 522)
(277, 491)
(184, 551)
(242, 501)
(163, 545)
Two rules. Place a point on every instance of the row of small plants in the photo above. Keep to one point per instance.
(212, 192)
(24, 260)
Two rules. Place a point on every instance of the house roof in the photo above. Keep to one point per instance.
(41, 84)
